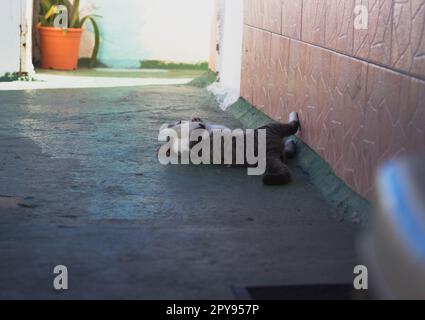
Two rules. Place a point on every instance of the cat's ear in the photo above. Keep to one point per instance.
(164, 126)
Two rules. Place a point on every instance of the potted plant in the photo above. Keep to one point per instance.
(59, 47)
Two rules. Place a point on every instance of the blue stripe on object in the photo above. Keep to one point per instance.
(402, 211)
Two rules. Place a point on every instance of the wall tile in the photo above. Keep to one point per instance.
(354, 114)
(278, 108)
(248, 12)
(374, 44)
(291, 18)
(247, 87)
(361, 160)
(261, 68)
(272, 15)
(408, 49)
(413, 118)
(297, 91)
(339, 25)
(348, 96)
(264, 14)
(315, 82)
(388, 94)
(313, 21)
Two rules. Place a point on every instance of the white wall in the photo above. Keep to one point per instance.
(27, 8)
(229, 28)
(176, 30)
(10, 15)
(231, 45)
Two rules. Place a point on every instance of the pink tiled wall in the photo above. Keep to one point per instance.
(360, 93)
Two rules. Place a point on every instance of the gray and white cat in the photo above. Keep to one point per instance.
(278, 147)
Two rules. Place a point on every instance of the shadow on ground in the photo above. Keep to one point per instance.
(98, 201)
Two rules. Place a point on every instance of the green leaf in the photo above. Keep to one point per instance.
(51, 12)
(96, 38)
(75, 15)
(45, 6)
(69, 6)
(43, 22)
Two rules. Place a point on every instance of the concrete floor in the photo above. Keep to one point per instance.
(96, 200)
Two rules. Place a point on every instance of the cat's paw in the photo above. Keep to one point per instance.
(293, 117)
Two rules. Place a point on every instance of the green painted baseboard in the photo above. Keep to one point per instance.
(349, 204)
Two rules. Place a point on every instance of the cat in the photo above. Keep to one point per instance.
(278, 147)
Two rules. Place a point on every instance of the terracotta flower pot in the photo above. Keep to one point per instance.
(59, 48)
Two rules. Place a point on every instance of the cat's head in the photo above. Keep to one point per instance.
(193, 124)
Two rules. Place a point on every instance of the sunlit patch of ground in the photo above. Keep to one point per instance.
(126, 73)
(102, 78)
